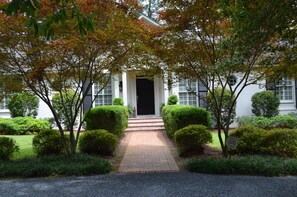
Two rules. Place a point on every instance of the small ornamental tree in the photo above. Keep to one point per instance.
(23, 104)
(265, 104)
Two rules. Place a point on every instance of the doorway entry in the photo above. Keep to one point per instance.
(145, 96)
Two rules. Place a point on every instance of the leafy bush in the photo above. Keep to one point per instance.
(248, 165)
(31, 125)
(9, 127)
(112, 118)
(7, 148)
(249, 139)
(280, 121)
(265, 104)
(48, 142)
(176, 117)
(172, 100)
(226, 100)
(55, 165)
(118, 101)
(99, 142)
(280, 142)
(64, 105)
(22, 125)
(190, 140)
(23, 104)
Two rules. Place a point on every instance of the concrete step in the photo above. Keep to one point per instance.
(145, 120)
(145, 129)
(147, 124)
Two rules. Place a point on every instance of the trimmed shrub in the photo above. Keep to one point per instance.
(190, 140)
(172, 100)
(8, 127)
(118, 101)
(265, 104)
(249, 139)
(112, 118)
(280, 121)
(176, 117)
(99, 142)
(48, 142)
(226, 100)
(64, 105)
(280, 142)
(7, 148)
(23, 104)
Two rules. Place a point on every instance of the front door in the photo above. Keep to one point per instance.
(145, 96)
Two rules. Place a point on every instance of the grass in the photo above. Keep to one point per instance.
(62, 165)
(25, 144)
(215, 141)
(248, 165)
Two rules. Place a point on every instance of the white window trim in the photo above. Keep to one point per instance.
(112, 92)
(187, 92)
(293, 94)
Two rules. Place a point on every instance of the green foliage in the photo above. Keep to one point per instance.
(55, 165)
(23, 104)
(249, 139)
(225, 99)
(7, 148)
(176, 117)
(99, 142)
(172, 100)
(280, 142)
(248, 165)
(112, 118)
(8, 127)
(118, 101)
(48, 142)
(22, 125)
(190, 139)
(265, 104)
(64, 105)
(280, 121)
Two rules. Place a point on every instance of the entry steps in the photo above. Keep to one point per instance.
(145, 124)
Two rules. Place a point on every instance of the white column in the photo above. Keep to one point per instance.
(116, 87)
(125, 88)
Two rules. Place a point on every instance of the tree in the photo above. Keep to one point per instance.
(151, 7)
(211, 41)
(68, 60)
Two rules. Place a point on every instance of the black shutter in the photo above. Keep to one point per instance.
(270, 85)
(87, 102)
(202, 92)
(296, 93)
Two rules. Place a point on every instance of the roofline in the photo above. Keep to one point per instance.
(149, 20)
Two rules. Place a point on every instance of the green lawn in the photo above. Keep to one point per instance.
(25, 144)
(215, 141)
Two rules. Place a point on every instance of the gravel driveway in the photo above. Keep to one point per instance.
(154, 184)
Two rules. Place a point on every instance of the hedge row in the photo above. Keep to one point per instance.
(277, 142)
(176, 117)
(280, 121)
(22, 125)
(112, 118)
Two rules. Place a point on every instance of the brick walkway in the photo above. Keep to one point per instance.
(147, 151)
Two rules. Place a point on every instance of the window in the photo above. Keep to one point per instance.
(232, 80)
(105, 96)
(3, 103)
(187, 93)
(284, 88)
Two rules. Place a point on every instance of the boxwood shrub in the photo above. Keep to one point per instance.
(48, 142)
(280, 142)
(8, 146)
(113, 118)
(190, 140)
(99, 142)
(176, 117)
(9, 127)
(249, 139)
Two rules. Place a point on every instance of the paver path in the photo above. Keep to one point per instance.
(147, 151)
